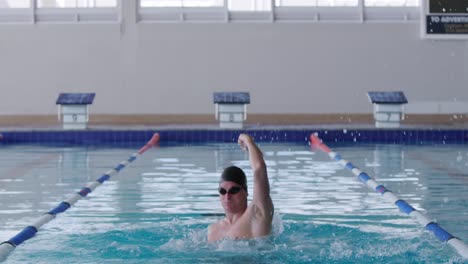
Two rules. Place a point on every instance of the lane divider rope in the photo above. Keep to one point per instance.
(28, 232)
(389, 196)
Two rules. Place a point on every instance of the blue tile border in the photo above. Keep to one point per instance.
(122, 137)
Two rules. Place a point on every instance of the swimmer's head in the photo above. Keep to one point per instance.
(234, 174)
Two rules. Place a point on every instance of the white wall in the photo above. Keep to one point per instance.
(161, 68)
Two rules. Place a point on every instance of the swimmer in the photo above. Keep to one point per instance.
(242, 220)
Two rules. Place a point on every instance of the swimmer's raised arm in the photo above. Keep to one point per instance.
(261, 193)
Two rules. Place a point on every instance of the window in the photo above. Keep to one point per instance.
(35, 11)
(181, 3)
(249, 5)
(265, 5)
(338, 3)
(75, 11)
(15, 4)
(316, 2)
(279, 10)
(390, 3)
(211, 10)
(76, 3)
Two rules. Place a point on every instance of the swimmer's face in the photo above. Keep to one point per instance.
(234, 198)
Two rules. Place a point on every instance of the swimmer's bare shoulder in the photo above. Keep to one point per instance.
(215, 230)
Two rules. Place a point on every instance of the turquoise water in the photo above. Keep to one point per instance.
(158, 208)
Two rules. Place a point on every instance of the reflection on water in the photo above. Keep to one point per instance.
(160, 205)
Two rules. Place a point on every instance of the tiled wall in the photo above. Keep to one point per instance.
(128, 137)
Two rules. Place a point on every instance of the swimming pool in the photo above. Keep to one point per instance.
(158, 208)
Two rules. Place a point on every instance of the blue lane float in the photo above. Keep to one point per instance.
(388, 195)
(28, 232)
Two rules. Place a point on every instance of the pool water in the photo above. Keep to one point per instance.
(158, 208)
